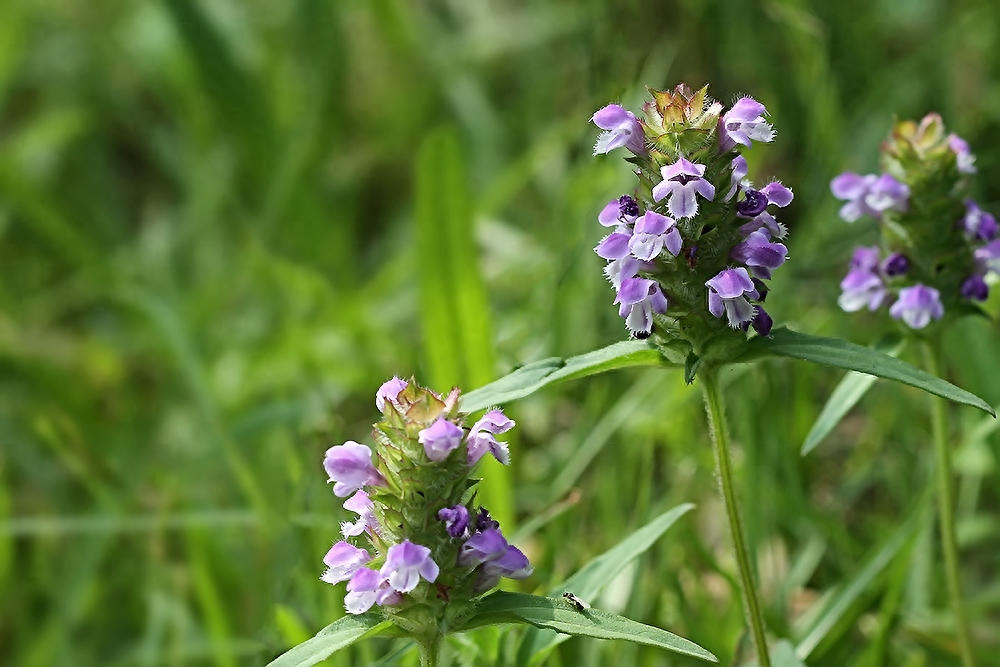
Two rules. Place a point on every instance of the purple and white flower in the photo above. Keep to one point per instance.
(729, 292)
(440, 439)
(367, 587)
(760, 254)
(988, 256)
(869, 195)
(754, 204)
(619, 212)
(621, 127)
(978, 224)
(896, 264)
(863, 285)
(743, 124)
(406, 563)
(682, 181)
(342, 561)
(482, 546)
(653, 233)
(481, 438)
(350, 466)
(740, 170)
(365, 508)
(456, 519)
(975, 288)
(639, 298)
(614, 246)
(964, 159)
(388, 392)
(917, 305)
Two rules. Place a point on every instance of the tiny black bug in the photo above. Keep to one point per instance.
(575, 601)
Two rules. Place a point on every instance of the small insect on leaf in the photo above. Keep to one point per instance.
(575, 601)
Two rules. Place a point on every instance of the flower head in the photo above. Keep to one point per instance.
(729, 291)
(481, 438)
(978, 224)
(621, 127)
(965, 161)
(440, 439)
(342, 561)
(388, 392)
(653, 233)
(639, 299)
(456, 519)
(869, 195)
(365, 508)
(350, 466)
(744, 124)
(406, 563)
(682, 180)
(917, 305)
(975, 288)
(760, 254)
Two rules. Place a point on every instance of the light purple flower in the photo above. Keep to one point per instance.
(621, 127)
(513, 564)
(639, 298)
(988, 256)
(622, 269)
(758, 253)
(368, 587)
(613, 246)
(964, 159)
(343, 560)
(975, 288)
(766, 223)
(483, 546)
(978, 224)
(778, 194)
(440, 439)
(866, 258)
(363, 506)
(389, 391)
(917, 305)
(743, 124)
(350, 466)
(740, 170)
(682, 180)
(869, 195)
(896, 264)
(406, 563)
(863, 285)
(653, 233)
(456, 519)
(728, 292)
(481, 438)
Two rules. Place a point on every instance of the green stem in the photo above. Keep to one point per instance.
(946, 510)
(430, 648)
(720, 438)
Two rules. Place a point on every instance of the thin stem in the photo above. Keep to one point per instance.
(720, 438)
(946, 510)
(430, 648)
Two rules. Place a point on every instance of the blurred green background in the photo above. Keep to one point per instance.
(223, 224)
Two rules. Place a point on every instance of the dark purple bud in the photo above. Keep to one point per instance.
(628, 206)
(975, 288)
(761, 288)
(456, 519)
(896, 264)
(484, 521)
(762, 322)
(752, 205)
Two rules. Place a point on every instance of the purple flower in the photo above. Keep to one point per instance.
(682, 180)
(777, 194)
(866, 258)
(484, 521)
(740, 170)
(483, 546)
(964, 159)
(513, 564)
(619, 270)
(978, 224)
(989, 256)
(766, 223)
(481, 438)
(753, 204)
(869, 195)
(389, 391)
(440, 439)
(728, 292)
(917, 305)
(350, 466)
(762, 322)
(653, 233)
(744, 123)
(456, 519)
(406, 563)
(618, 212)
(621, 127)
(863, 286)
(613, 246)
(368, 587)
(975, 288)
(343, 560)
(758, 253)
(639, 299)
(896, 264)
(362, 504)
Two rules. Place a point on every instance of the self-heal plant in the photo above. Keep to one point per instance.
(936, 253)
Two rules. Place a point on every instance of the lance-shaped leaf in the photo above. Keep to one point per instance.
(846, 396)
(562, 616)
(591, 579)
(841, 354)
(333, 637)
(529, 378)
(782, 655)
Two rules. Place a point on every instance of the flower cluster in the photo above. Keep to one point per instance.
(689, 249)
(432, 551)
(938, 246)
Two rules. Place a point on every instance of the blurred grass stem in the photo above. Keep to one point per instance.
(720, 439)
(946, 507)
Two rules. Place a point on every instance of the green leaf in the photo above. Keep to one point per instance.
(333, 637)
(529, 378)
(591, 579)
(846, 396)
(782, 655)
(841, 354)
(559, 615)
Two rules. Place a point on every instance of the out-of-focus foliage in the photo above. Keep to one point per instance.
(210, 262)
